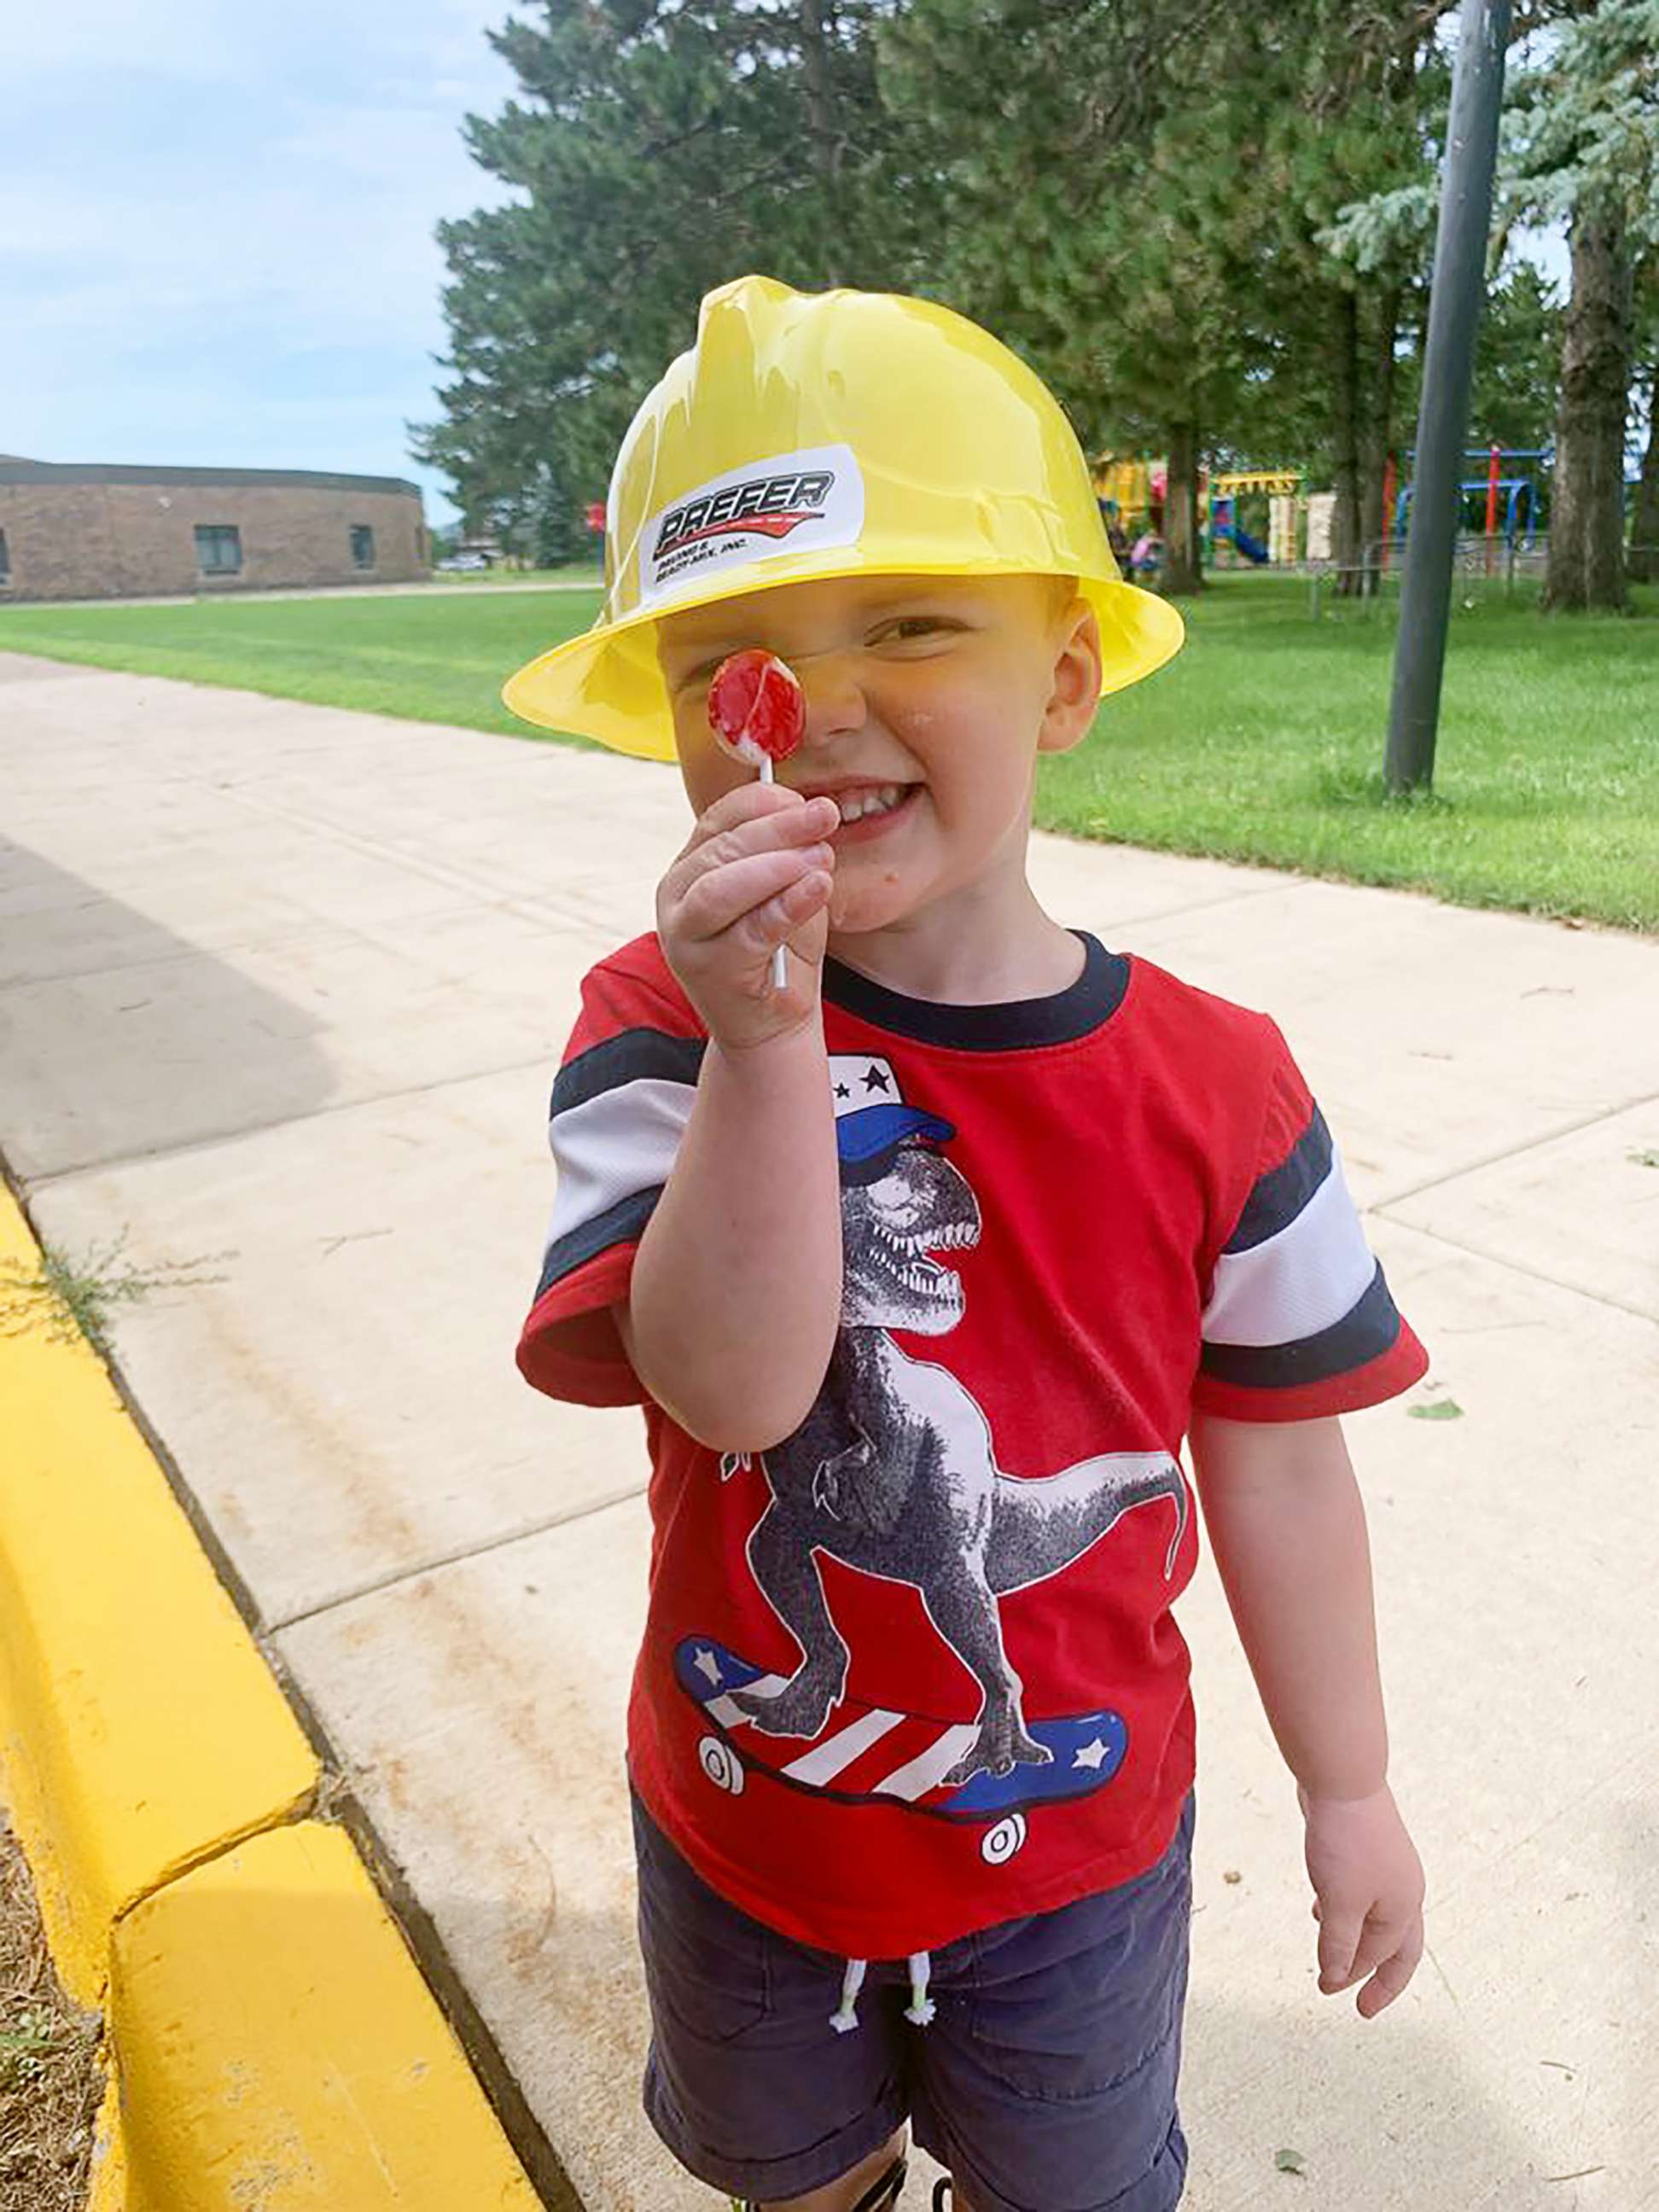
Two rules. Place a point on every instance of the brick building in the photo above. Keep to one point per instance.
(70, 530)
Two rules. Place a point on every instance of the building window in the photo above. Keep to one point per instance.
(5, 563)
(219, 549)
(362, 546)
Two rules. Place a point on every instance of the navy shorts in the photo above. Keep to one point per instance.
(1046, 2080)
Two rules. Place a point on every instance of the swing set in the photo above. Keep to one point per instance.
(1514, 488)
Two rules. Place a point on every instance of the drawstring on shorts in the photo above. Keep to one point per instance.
(919, 2010)
(845, 2017)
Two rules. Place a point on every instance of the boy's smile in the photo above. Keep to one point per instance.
(861, 802)
(927, 701)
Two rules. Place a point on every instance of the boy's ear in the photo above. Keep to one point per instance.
(1075, 692)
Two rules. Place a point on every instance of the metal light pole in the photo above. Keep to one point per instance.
(1460, 269)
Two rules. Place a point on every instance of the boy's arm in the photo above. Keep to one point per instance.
(1288, 1529)
(736, 1291)
(735, 1296)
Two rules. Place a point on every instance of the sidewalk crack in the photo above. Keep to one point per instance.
(1519, 1268)
(1513, 1152)
(395, 1576)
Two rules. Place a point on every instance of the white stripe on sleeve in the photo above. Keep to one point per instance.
(1291, 1285)
(607, 1148)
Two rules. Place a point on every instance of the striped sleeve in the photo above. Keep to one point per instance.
(1298, 1322)
(621, 1101)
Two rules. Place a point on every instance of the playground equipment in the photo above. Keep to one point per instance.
(1301, 524)
(1222, 522)
(1322, 525)
(1132, 484)
(1131, 489)
(1518, 493)
(1224, 526)
(1283, 509)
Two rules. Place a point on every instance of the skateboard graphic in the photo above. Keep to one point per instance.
(866, 1754)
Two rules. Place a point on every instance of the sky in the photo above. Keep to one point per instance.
(217, 247)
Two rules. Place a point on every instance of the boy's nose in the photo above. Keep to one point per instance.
(834, 700)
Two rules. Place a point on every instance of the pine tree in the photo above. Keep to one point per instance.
(1093, 201)
(1141, 190)
(1583, 147)
(654, 151)
(1643, 560)
(1357, 119)
(1517, 360)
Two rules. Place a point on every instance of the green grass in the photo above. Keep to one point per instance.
(1262, 742)
(441, 658)
(66, 1298)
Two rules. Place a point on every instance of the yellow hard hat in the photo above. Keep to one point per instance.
(829, 434)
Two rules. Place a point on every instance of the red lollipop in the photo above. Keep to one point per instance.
(757, 710)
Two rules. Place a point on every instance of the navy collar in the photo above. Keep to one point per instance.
(1017, 1023)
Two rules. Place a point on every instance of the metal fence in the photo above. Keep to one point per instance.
(1482, 568)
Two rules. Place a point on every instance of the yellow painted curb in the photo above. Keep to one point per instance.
(280, 2049)
(273, 2044)
(142, 1727)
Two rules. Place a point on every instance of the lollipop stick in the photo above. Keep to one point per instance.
(779, 958)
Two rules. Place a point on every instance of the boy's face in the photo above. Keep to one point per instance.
(927, 702)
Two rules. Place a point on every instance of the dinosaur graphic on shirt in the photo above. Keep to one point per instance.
(894, 1470)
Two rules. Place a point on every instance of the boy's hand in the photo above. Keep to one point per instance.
(757, 873)
(1368, 1896)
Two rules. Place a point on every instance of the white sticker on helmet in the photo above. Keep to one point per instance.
(788, 502)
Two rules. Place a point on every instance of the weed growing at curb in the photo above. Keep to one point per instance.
(69, 1298)
(51, 2078)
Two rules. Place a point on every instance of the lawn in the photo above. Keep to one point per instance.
(440, 658)
(1262, 742)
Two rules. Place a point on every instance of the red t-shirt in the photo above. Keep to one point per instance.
(914, 1671)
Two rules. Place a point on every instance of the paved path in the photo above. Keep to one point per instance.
(281, 988)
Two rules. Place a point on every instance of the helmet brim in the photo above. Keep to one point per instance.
(607, 684)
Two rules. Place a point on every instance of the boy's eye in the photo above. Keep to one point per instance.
(701, 674)
(909, 626)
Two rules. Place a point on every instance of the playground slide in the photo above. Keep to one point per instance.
(1251, 548)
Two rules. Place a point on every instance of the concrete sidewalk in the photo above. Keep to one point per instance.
(280, 991)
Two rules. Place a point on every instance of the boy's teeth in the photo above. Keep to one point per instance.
(854, 804)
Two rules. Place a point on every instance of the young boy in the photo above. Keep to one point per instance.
(921, 1267)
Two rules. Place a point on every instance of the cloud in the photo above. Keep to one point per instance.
(219, 243)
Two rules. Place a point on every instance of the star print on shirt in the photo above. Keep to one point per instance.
(1089, 1754)
(843, 1090)
(875, 1080)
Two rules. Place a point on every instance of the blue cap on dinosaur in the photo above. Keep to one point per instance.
(871, 1115)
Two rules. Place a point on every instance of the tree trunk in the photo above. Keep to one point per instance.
(1181, 568)
(1587, 504)
(1376, 439)
(820, 108)
(1643, 561)
(1345, 440)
